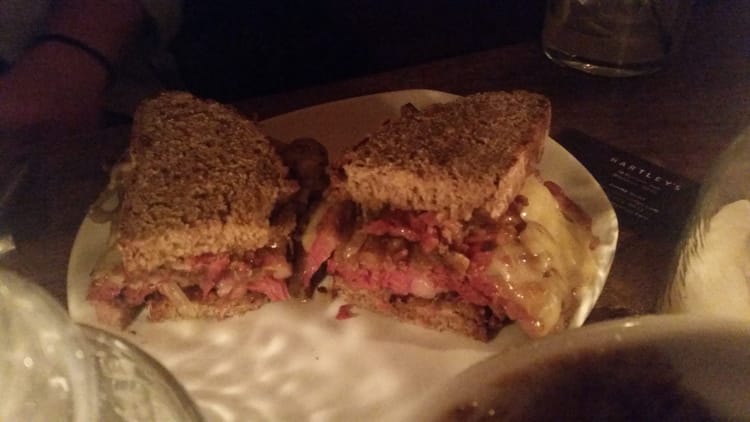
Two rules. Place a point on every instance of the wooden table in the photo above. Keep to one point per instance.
(679, 118)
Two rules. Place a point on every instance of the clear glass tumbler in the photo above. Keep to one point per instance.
(614, 37)
(54, 370)
(712, 270)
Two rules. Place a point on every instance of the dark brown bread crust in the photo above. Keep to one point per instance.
(473, 153)
(205, 180)
(210, 307)
(444, 313)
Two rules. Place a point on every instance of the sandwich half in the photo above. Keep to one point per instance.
(205, 218)
(440, 218)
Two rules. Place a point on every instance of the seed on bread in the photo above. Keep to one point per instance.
(206, 180)
(426, 159)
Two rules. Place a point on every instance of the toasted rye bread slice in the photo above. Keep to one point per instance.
(443, 313)
(210, 307)
(205, 180)
(473, 153)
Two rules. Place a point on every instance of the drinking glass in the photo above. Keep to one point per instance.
(54, 370)
(614, 37)
(712, 270)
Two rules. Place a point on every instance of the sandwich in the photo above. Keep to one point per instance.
(207, 211)
(440, 218)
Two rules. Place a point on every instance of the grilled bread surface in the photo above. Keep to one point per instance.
(447, 314)
(204, 180)
(472, 153)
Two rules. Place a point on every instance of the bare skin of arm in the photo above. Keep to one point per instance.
(56, 89)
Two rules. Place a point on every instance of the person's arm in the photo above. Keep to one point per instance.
(56, 88)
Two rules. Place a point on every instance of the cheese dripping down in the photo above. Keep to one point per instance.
(549, 263)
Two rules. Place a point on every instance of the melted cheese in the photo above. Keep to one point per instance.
(550, 261)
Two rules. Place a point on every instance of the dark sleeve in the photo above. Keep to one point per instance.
(228, 50)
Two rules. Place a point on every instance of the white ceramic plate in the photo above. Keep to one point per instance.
(295, 361)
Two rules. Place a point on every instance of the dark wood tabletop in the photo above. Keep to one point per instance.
(679, 118)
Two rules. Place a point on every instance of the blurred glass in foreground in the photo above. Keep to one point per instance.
(614, 37)
(712, 272)
(52, 369)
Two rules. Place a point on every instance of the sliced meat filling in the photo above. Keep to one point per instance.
(119, 295)
(408, 253)
(511, 265)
